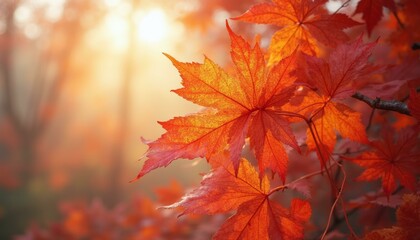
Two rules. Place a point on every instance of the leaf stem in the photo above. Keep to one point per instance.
(370, 119)
(309, 175)
(339, 199)
(317, 141)
(291, 114)
(278, 188)
(342, 6)
(400, 23)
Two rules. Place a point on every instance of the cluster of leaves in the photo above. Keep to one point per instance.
(310, 80)
(137, 219)
(140, 219)
(408, 216)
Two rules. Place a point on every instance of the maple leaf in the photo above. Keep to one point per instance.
(257, 217)
(408, 214)
(394, 79)
(372, 11)
(334, 76)
(330, 118)
(302, 23)
(408, 217)
(333, 79)
(391, 160)
(243, 105)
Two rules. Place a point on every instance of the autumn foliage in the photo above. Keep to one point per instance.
(302, 96)
(138, 218)
(310, 131)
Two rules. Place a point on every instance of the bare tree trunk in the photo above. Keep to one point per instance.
(25, 135)
(118, 156)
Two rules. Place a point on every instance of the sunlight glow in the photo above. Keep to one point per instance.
(152, 26)
(117, 28)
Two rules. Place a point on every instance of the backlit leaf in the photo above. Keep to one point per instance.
(303, 24)
(245, 104)
(257, 217)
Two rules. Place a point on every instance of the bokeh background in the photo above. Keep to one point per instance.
(81, 83)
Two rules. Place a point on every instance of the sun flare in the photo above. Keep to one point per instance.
(152, 26)
(117, 29)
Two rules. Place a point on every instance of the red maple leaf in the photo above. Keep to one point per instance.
(414, 104)
(256, 217)
(408, 217)
(302, 23)
(330, 79)
(246, 104)
(372, 11)
(392, 159)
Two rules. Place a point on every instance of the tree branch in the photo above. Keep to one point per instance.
(391, 105)
(415, 46)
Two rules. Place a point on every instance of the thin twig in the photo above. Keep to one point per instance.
(370, 118)
(346, 217)
(336, 192)
(391, 105)
(336, 178)
(400, 23)
(338, 197)
(317, 141)
(340, 220)
(342, 6)
(309, 175)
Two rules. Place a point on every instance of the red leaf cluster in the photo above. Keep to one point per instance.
(307, 82)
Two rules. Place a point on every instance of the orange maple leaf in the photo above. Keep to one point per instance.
(257, 217)
(243, 105)
(391, 160)
(329, 118)
(302, 23)
(330, 79)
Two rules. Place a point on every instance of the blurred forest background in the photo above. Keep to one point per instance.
(81, 82)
